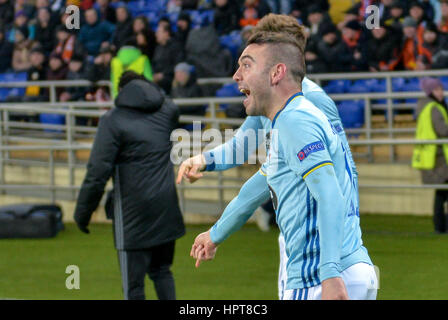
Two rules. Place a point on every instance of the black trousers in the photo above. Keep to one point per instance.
(440, 216)
(156, 263)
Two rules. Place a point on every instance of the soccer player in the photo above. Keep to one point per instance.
(255, 190)
(308, 175)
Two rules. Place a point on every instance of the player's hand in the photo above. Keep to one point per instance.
(334, 289)
(83, 228)
(191, 168)
(203, 248)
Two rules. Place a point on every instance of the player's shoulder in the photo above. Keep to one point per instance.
(302, 109)
(309, 86)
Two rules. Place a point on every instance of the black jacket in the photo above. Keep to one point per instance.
(133, 146)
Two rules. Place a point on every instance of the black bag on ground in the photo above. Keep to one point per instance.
(30, 221)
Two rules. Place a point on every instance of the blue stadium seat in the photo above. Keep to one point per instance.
(228, 90)
(337, 86)
(49, 118)
(352, 113)
(398, 84)
(12, 77)
(412, 85)
(359, 86)
(232, 42)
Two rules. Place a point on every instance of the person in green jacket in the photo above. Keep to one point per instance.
(432, 159)
(129, 57)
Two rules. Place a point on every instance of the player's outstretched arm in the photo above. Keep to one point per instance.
(252, 194)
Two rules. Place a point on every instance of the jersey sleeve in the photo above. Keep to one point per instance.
(252, 194)
(235, 151)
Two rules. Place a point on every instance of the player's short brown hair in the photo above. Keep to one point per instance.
(287, 37)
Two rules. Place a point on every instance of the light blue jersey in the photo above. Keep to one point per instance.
(224, 157)
(314, 195)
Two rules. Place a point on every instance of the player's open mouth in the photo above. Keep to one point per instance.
(247, 93)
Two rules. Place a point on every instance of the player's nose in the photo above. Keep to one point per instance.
(237, 75)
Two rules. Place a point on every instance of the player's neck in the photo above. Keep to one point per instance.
(280, 98)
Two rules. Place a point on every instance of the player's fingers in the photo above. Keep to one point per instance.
(193, 248)
(180, 173)
(197, 251)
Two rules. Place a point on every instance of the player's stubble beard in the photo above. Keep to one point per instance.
(261, 99)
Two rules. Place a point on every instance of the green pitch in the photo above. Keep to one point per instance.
(413, 263)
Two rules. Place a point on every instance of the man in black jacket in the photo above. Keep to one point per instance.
(133, 146)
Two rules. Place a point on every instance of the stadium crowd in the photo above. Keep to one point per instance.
(173, 42)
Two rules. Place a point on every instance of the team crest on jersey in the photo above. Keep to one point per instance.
(310, 148)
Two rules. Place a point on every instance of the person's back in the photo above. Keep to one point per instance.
(133, 146)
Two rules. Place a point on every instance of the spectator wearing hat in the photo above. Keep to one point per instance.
(67, 44)
(314, 63)
(22, 48)
(100, 68)
(226, 16)
(432, 160)
(37, 72)
(6, 50)
(45, 30)
(123, 28)
(417, 11)
(395, 18)
(141, 25)
(316, 18)
(186, 86)
(413, 53)
(21, 22)
(352, 14)
(183, 24)
(95, 33)
(6, 12)
(353, 56)
(383, 46)
(299, 8)
(57, 70)
(329, 47)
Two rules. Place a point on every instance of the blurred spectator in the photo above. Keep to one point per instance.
(329, 48)
(382, 48)
(67, 45)
(129, 57)
(95, 33)
(186, 86)
(6, 13)
(6, 50)
(432, 160)
(22, 5)
(299, 8)
(105, 10)
(246, 32)
(167, 55)
(141, 25)
(57, 71)
(316, 18)
(22, 48)
(203, 50)
(21, 22)
(253, 11)
(183, 24)
(76, 71)
(226, 16)
(443, 24)
(431, 9)
(352, 14)
(189, 4)
(314, 63)
(280, 6)
(123, 28)
(100, 69)
(413, 53)
(417, 11)
(395, 18)
(37, 72)
(353, 56)
(45, 30)
(433, 43)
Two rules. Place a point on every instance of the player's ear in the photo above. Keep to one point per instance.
(278, 72)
